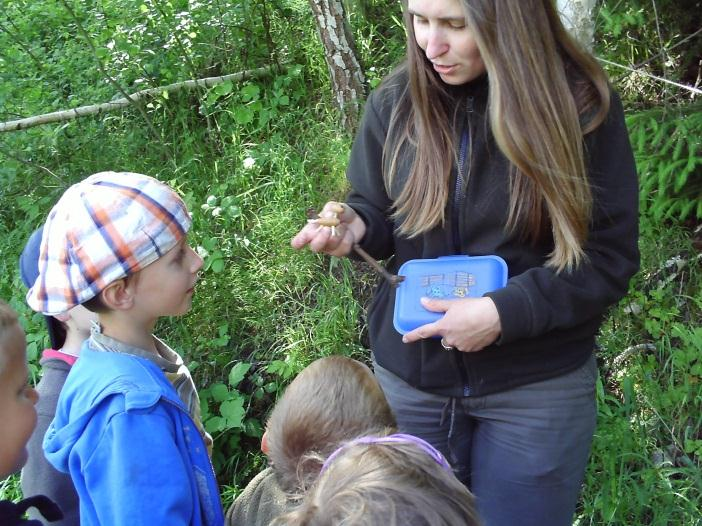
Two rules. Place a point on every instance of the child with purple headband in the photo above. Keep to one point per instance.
(127, 426)
(392, 439)
(392, 480)
(331, 401)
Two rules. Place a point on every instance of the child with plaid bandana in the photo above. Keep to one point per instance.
(127, 425)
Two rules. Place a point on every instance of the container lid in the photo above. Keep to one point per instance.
(446, 277)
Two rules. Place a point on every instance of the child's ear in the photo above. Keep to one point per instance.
(264, 442)
(118, 295)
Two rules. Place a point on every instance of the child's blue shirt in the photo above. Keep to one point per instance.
(133, 451)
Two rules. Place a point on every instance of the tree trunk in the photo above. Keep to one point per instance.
(578, 18)
(344, 68)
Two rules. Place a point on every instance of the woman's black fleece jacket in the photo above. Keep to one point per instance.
(549, 320)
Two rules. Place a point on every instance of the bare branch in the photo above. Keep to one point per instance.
(65, 115)
(629, 351)
(646, 74)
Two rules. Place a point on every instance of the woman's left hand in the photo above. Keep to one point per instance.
(470, 324)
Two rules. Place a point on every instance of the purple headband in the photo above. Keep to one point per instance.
(392, 439)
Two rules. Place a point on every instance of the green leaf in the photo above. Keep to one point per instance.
(220, 392)
(233, 411)
(215, 424)
(204, 410)
(238, 372)
(211, 242)
(249, 92)
(217, 266)
(32, 351)
(243, 114)
(253, 428)
(225, 88)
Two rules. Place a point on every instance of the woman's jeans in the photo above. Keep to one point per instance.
(522, 452)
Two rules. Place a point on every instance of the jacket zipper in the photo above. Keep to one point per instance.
(455, 218)
(183, 410)
(460, 169)
(458, 190)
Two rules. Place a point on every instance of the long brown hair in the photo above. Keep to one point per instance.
(391, 484)
(545, 94)
(332, 400)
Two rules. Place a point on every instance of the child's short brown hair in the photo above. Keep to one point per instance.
(332, 400)
(8, 319)
(384, 483)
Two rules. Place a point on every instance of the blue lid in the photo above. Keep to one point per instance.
(446, 277)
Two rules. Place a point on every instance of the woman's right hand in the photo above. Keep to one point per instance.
(350, 230)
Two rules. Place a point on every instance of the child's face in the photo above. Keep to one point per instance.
(165, 288)
(17, 398)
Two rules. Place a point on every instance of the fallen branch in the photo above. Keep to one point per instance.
(629, 351)
(66, 115)
(691, 89)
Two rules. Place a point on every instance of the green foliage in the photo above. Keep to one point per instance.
(652, 36)
(646, 462)
(10, 488)
(251, 157)
(668, 147)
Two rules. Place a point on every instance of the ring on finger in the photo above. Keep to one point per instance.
(446, 346)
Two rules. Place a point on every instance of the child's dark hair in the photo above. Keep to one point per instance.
(388, 484)
(96, 305)
(332, 400)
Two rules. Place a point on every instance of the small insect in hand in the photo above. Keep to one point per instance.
(332, 221)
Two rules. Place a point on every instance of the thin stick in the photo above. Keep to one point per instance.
(333, 222)
(393, 279)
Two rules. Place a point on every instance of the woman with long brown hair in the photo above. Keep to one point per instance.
(499, 135)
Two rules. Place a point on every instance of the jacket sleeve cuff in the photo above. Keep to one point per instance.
(515, 311)
(376, 240)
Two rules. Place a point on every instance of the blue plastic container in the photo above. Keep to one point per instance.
(446, 277)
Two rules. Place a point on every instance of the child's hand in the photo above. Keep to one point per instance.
(334, 232)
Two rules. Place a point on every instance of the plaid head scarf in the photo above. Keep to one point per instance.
(104, 228)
